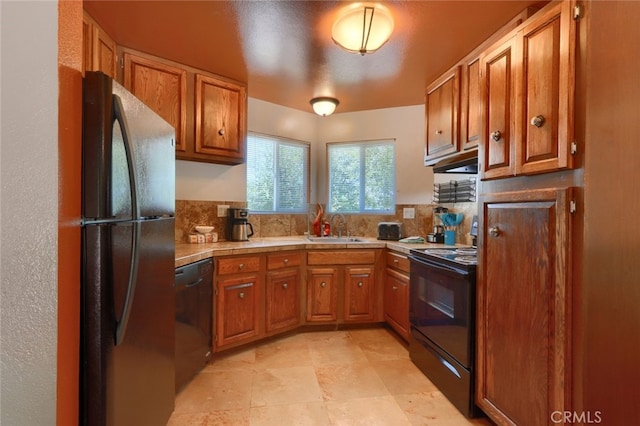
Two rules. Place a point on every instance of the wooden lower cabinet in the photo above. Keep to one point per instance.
(523, 306)
(396, 302)
(396, 293)
(341, 286)
(260, 295)
(322, 294)
(359, 294)
(237, 309)
(282, 299)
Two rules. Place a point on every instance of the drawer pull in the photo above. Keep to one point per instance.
(438, 132)
(394, 288)
(241, 266)
(285, 285)
(360, 283)
(496, 135)
(396, 261)
(494, 231)
(239, 286)
(241, 295)
(285, 261)
(323, 284)
(221, 132)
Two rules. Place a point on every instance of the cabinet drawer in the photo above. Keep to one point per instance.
(283, 260)
(398, 261)
(348, 257)
(238, 264)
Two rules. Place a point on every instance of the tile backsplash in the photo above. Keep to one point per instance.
(191, 213)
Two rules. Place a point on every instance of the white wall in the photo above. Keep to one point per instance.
(28, 212)
(211, 182)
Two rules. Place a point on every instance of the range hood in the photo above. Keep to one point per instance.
(465, 162)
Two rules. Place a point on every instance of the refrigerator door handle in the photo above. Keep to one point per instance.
(121, 326)
(128, 146)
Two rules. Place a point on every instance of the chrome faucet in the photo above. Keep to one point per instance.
(344, 221)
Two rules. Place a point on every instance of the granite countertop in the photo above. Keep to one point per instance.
(189, 253)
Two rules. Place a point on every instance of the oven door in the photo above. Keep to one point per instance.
(440, 302)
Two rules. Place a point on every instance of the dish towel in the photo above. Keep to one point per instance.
(412, 240)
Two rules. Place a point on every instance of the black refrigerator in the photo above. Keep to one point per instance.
(127, 309)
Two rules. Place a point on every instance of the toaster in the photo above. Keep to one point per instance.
(390, 231)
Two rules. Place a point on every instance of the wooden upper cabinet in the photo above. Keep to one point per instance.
(87, 44)
(442, 116)
(470, 111)
(220, 120)
(548, 88)
(527, 83)
(99, 50)
(105, 58)
(162, 87)
(454, 101)
(208, 112)
(498, 91)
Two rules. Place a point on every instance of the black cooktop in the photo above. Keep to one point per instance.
(459, 256)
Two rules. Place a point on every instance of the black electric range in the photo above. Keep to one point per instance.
(442, 319)
(456, 257)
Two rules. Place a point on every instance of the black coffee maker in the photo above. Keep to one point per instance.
(238, 227)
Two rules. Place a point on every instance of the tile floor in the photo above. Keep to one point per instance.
(354, 377)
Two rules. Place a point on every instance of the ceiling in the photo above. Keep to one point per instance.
(284, 52)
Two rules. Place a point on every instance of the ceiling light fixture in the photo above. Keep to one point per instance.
(324, 105)
(362, 28)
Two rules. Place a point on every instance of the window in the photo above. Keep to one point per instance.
(362, 177)
(277, 174)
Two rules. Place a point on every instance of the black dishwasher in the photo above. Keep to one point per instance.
(194, 313)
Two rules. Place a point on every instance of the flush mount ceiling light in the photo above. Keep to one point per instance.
(362, 28)
(324, 105)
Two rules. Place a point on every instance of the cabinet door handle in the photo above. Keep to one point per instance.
(494, 231)
(537, 121)
(360, 283)
(285, 285)
(394, 288)
(496, 135)
(241, 295)
(323, 284)
(221, 132)
(438, 132)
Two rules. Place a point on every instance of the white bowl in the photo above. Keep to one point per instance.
(204, 229)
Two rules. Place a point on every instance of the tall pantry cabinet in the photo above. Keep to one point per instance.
(558, 281)
(524, 287)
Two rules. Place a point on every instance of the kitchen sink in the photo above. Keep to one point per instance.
(336, 240)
